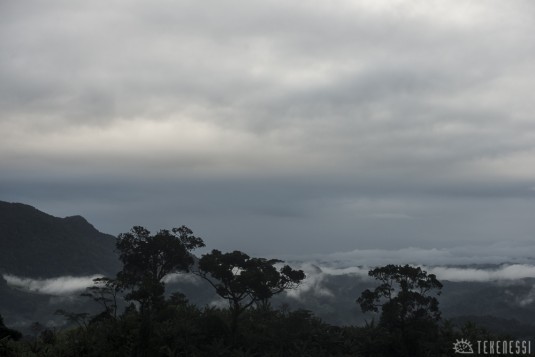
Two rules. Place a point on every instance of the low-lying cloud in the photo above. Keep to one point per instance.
(181, 278)
(61, 286)
(497, 254)
(317, 277)
(315, 282)
(505, 272)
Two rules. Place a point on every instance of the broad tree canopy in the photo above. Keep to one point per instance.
(244, 281)
(147, 259)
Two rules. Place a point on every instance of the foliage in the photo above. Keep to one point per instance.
(147, 259)
(80, 319)
(402, 294)
(105, 292)
(156, 324)
(183, 329)
(244, 281)
(7, 333)
(409, 314)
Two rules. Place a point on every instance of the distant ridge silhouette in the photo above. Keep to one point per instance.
(37, 245)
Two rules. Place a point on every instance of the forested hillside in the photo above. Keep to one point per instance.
(157, 298)
(36, 244)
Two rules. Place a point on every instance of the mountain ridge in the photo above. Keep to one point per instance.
(36, 244)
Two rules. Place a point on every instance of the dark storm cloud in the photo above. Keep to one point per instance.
(394, 124)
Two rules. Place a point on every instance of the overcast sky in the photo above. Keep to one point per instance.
(276, 127)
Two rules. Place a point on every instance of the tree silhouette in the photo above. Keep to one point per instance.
(6, 332)
(147, 259)
(105, 293)
(244, 281)
(408, 311)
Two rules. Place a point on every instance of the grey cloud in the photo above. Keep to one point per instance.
(515, 257)
(328, 123)
(172, 59)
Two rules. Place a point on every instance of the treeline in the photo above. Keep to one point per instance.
(137, 318)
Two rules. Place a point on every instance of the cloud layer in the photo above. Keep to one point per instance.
(355, 125)
(318, 276)
(66, 285)
(491, 254)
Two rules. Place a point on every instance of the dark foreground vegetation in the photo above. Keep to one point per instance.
(138, 318)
